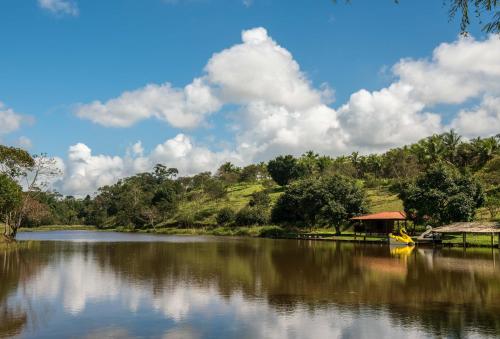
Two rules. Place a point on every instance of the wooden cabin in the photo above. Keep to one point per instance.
(380, 223)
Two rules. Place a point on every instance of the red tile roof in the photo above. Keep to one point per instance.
(398, 215)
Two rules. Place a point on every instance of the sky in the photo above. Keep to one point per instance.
(110, 88)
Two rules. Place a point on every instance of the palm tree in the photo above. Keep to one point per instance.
(451, 140)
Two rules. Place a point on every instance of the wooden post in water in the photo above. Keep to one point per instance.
(464, 239)
(491, 239)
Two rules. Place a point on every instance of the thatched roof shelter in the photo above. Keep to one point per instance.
(469, 227)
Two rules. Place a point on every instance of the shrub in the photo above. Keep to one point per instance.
(260, 198)
(272, 232)
(225, 216)
(249, 216)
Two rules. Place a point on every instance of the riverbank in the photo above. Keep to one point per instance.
(268, 232)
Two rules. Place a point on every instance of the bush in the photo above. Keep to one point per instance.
(249, 216)
(260, 198)
(272, 232)
(225, 216)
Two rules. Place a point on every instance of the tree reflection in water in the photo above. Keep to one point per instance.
(257, 287)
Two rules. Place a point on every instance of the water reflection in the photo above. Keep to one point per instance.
(245, 288)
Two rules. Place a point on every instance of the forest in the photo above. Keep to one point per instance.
(437, 180)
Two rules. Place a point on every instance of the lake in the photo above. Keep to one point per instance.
(113, 285)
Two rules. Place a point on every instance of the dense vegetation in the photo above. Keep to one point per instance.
(437, 180)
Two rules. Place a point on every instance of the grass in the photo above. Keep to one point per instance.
(480, 240)
(380, 199)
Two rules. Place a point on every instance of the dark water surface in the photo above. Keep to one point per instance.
(113, 285)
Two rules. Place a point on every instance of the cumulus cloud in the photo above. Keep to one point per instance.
(278, 109)
(260, 70)
(11, 121)
(457, 71)
(181, 108)
(85, 172)
(60, 7)
(386, 118)
(481, 120)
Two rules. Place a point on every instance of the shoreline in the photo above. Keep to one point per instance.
(273, 232)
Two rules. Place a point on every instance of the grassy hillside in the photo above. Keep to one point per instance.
(201, 209)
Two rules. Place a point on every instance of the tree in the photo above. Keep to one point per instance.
(480, 8)
(225, 216)
(228, 172)
(15, 161)
(215, 188)
(260, 198)
(284, 169)
(248, 216)
(10, 200)
(442, 195)
(325, 201)
(36, 173)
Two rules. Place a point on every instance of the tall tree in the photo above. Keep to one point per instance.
(10, 201)
(442, 195)
(284, 169)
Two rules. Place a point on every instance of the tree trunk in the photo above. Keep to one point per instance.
(337, 229)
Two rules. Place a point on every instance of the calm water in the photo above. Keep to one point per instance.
(107, 285)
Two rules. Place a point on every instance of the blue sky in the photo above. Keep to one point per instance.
(59, 55)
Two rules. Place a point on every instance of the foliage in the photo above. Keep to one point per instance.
(326, 201)
(284, 169)
(260, 199)
(225, 216)
(442, 195)
(15, 161)
(492, 203)
(248, 216)
(272, 232)
(215, 188)
(10, 199)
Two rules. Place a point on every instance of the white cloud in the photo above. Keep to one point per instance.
(260, 70)
(481, 120)
(457, 72)
(182, 108)
(85, 172)
(256, 70)
(9, 120)
(386, 118)
(60, 7)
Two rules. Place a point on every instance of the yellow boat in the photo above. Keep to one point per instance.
(401, 239)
